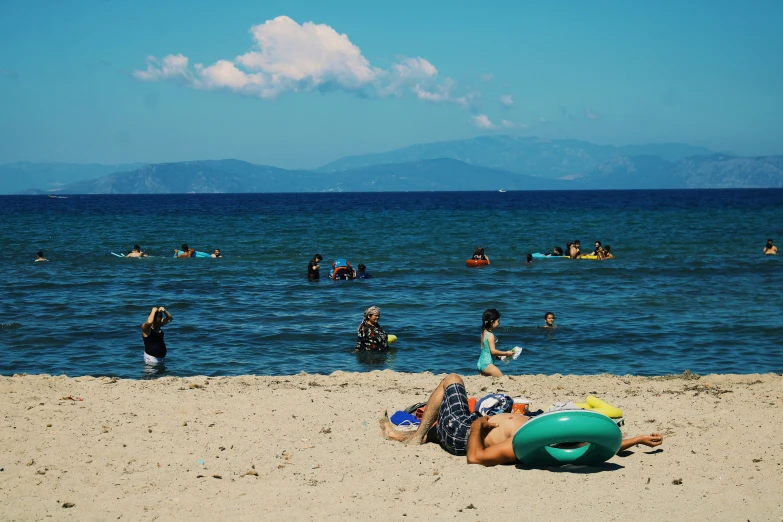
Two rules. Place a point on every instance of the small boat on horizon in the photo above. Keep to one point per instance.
(502, 190)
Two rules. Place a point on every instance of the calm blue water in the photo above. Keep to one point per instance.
(690, 288)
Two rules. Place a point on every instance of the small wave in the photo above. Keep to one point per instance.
(10, 326)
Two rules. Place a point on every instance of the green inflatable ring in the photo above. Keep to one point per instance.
(533, 441)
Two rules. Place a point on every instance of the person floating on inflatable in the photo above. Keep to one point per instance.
(484, 440)
(185, 252)
(342, 269)
(136, 252)
(479, 258)
(479, 255)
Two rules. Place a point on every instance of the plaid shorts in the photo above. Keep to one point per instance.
(454, 420)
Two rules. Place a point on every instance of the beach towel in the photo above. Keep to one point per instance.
(563, 406)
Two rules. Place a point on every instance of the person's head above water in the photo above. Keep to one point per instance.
(136, 248)
(488, 319)
(549, 318)
(478, 251)
(558, 251)
(40, 253)
(530, 258)
(184, 247)
(361, 267)
(373, 311)
(769, 242)
(317, 257)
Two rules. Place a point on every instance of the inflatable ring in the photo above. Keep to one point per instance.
(595, 404)
(533, 441)
(391, 338)
(476, 262)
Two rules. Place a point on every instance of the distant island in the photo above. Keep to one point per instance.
(478, 164)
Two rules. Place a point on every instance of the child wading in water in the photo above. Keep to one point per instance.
(490, 321)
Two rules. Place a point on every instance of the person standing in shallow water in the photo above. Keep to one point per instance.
(770, 248)
(490, 321)
(152, 335)
(41, 257)
(370, 336)
(313, 266)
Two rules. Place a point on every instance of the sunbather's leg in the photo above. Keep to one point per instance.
(430, 415)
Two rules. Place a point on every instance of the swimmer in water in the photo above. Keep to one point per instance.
(770, 249)
(185, 252)
(363, 274)
(608, 252)
(599, 251)
(574, 252)
(41, 257)
(136, 252)
(217, 253)
(479, 255)
(549, 320)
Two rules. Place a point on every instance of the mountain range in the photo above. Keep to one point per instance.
(484, 163)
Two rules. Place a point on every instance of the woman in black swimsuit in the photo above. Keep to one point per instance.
(154, 345)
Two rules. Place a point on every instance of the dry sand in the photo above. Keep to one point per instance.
(308, 447)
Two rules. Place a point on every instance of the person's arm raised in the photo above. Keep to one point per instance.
(147, 326)
(501, 453)
(168, 318)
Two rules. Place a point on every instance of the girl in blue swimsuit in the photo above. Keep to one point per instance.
(490, 321)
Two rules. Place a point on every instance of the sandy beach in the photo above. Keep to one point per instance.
(309, 447)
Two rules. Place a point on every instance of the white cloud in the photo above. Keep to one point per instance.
(543, 120)
(488, 77)
(171, 67)
(507, 101)
(590, 115)
(288, 57)
(482, 122)
(512, 125)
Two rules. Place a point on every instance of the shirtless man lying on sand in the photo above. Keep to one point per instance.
(485, 440)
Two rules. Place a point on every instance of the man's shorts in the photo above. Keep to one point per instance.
(454, 420)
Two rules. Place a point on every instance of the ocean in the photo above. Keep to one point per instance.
(690, 288)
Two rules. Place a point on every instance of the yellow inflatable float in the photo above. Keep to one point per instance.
(391, 338)
(595, 404)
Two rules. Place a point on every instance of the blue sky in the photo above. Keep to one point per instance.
(300, 83)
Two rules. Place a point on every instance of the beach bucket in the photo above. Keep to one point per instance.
(521, 405)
